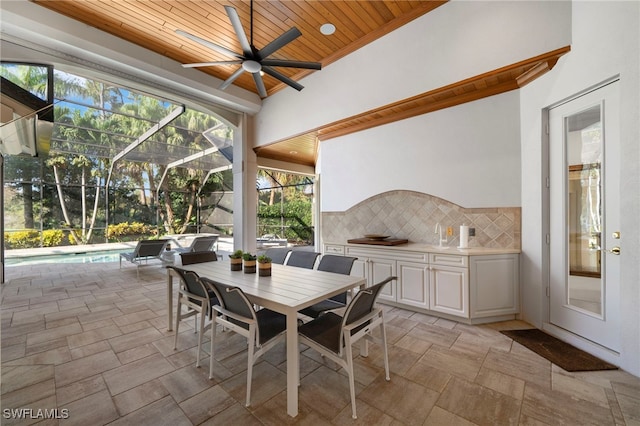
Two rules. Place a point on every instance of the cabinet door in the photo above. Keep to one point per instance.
(494, 285)
(360, 268)
(449, 290)
(379, 270)
(413, 284)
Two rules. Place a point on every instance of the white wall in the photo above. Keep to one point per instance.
(458, 40)
(606, 42)
(468, 154)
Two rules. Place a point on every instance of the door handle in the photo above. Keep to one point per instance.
(615, 250)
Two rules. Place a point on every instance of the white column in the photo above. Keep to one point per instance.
(245, 201)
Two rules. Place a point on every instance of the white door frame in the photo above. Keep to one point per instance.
(574, 339)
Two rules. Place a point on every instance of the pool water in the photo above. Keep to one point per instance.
(86, 257)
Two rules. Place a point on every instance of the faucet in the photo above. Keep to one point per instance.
(438, 230)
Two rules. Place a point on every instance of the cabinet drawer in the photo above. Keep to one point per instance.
(364, 252)
(332, 249)
(448, 259)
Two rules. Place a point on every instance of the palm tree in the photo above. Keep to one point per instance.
(97, 117)
(34, 79)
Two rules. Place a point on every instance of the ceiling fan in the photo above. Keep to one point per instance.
(252, 60)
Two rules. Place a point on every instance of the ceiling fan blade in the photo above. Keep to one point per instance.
(283, 78)
(231, 79)
(239, 30)
(291, 64)
(262, 91)
(209, 64)
(212, 46)
(283, 40)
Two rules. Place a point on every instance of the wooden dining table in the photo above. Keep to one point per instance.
(288, 290)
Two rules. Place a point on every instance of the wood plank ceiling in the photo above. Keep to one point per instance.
(152, 24)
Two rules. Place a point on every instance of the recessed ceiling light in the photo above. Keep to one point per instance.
(327, 29)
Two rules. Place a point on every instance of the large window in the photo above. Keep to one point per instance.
(285, 209)
(120, 165)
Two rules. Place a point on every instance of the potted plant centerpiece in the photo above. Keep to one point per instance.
(249, 263)
(264, 266)
(236, 260)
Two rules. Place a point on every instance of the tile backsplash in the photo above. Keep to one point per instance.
(414, 215)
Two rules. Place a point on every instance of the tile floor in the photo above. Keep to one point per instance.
(90, 340)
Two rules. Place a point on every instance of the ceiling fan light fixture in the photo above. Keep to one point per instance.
(254, 61)
(327, 29)
(251, 66)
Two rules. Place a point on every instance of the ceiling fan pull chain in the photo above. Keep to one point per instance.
(251, 5)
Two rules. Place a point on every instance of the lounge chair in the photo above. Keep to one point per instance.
(199, 244)
(144, 251)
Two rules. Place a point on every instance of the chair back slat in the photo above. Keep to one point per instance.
(364, 301)
(278, 255)
(235, 301)
(191, 281)
(198, 257)
(302, 259)
(338, 264)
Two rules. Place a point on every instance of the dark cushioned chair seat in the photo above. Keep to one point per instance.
(325, 330)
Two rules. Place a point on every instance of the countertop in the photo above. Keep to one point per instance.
(428, 248)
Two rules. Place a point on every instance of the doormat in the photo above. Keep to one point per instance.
(565, 356)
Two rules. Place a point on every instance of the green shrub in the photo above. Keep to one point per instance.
(29, 238)
(127, 232)
(52, 237)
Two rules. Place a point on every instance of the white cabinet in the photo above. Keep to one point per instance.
(492, 288)
(480, 287)
(379, 270)
(375, 269)
(413, 284)
(376, 264)
(449, 290)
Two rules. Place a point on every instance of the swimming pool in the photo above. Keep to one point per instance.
(83, 257)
